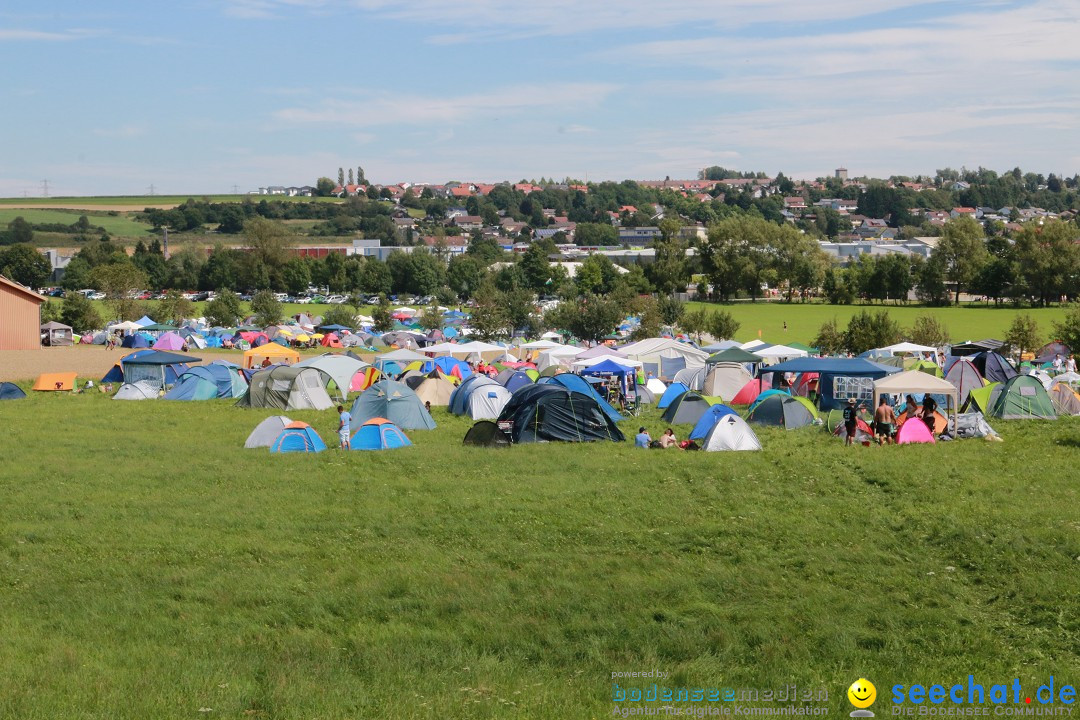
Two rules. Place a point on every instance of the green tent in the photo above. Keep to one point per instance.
(1023, 398)
(981, 398)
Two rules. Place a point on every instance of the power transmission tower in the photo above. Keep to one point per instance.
(151, 189)
(235, 189)
(45, 188)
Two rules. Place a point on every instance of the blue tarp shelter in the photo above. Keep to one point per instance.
(838, 378)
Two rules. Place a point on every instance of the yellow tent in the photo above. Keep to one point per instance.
(256, 357)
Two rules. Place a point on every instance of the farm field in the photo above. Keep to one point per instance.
(138, 202)
(118, 225)
(152, 567)
(966, 322)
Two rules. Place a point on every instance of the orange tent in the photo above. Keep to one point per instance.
(56, 381)
(255, 357)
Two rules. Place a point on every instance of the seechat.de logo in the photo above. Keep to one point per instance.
(862, 695)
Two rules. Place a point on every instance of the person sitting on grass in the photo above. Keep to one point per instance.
(668, 439)
(642, 439)
(343, 428)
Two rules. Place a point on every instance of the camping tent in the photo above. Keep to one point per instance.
(393, 401)
(656, 386)
(653, 350)
(783, 411)
(286, 388)
(673, 391)
(55, 381)
(461, 393)
(1051, 350)
(864, 435)
(156, 366)
(266, 432)
(11, 391)
(914, 432)
(578, 384)
(205, 382)
(1066, 400)
(708, 419)
(434, 390)
(54, 334)
(139, 390)
(378, 434)
(297, 437)
(485, 402)
(549, 411)
(486, 434)
(688, 408)
(1023, 398)
(169, 341)
(730, 432)
(276, 354)
(339, 368)
(993, 367)
(726, 379)
(512, 380)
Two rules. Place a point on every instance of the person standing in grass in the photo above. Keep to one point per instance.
(851, 421)
(884, 418)
(343, 428)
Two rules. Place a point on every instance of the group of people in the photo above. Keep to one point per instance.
(668, 440)
(885, 425)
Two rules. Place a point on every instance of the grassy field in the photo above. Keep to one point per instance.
(967, 322)
(153, 568)
(121, 225)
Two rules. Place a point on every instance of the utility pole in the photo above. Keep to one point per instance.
(45, 188)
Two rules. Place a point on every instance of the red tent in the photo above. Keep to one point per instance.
(749, 392)
(331, 340)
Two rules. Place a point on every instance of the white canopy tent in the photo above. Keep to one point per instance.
(916, 381)
(780, 353)
(597, 359)
(907, 347)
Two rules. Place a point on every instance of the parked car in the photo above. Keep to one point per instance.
(97, 296)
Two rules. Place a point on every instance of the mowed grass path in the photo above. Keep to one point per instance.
(966, 322)
(150, 567)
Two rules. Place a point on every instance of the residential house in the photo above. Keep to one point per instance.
(467, 222)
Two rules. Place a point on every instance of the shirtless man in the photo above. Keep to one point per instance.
(885, 420)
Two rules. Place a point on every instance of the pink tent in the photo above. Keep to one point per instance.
(914, 431)
(169, 341)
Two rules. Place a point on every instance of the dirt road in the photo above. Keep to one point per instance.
(90, 361)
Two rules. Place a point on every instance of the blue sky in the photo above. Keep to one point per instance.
(196, 96)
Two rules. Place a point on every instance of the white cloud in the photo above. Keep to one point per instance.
(402, 109)
(15, 34)
(498, 19)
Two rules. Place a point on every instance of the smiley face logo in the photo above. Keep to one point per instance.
(862, 693)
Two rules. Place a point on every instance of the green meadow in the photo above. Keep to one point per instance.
(118, 224)
(149, 200)
(151, 567)
(970, 321)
